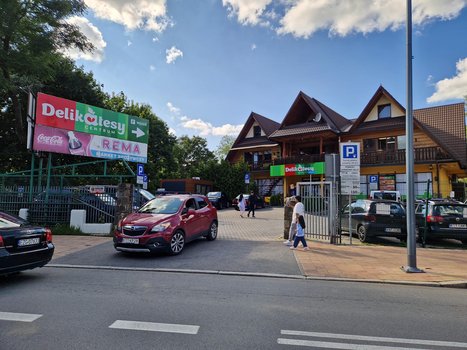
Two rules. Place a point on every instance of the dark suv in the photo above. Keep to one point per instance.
(375, 218)
(442, 219)
(219, 200)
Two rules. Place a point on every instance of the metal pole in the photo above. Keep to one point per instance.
(49, 170)
(411, 244)
(350, 219)
(31, 179)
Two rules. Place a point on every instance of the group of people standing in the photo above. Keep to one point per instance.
(252, 199)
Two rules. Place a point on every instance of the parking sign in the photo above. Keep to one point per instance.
(350, 167)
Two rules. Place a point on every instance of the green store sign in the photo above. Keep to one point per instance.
(297, 169)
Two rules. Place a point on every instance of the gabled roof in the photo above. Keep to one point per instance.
(296, 121)
(266, 124)
(446, 126)
(372, 103)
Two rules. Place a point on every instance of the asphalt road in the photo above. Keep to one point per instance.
(57, 308)
(218, 255)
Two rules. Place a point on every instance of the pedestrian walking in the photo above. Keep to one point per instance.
(241, 205)
(300, 235)
(252, 199)
(298, 209)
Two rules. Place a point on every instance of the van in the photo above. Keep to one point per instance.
(391, 195)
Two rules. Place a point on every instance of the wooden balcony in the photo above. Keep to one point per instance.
(421, 155)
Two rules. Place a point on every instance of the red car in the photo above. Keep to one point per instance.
(167, 223)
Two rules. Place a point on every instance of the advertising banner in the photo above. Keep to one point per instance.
(77, 143)
(75, 116)
(297, 169)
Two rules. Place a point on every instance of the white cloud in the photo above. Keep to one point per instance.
(152, 68)
(253, 47)
(172, 131)
(248, 12)
(452, 88)
(173, 109)
(206, 129)
(155, 39)
(129, 43)
(133, 14)
(172, 54)
(93, 35)
(302, 18)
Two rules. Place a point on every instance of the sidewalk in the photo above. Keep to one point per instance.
(372, 262)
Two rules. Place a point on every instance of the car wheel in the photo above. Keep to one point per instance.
(177, 243)
(212, 234)
(362, 233)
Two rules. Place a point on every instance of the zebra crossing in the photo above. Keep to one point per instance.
(288, 338)
(360, 342)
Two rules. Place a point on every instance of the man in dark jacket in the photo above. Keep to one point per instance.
(252, 199)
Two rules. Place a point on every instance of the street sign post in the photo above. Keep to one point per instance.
(350, 173)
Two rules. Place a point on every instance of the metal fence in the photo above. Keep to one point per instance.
(55, 205)
(321, 207)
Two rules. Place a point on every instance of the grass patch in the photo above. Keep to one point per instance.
(65, 230)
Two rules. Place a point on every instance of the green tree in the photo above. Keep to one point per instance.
(224, 146)
(226, 177)
(191, 155)
(32, 33)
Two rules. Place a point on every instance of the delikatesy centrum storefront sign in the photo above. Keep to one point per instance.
(296, 169)
(75, 116)
(81, 144)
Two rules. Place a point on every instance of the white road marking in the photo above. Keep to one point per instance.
(376, 339)
(13, 316)
(329, 345)
(155, 327)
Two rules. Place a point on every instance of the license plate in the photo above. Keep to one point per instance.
(130, 240)
(396, 230)
(29, 241)
(457, 226)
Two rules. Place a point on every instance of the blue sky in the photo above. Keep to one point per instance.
(204, 65)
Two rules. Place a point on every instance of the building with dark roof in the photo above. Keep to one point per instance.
(281, 155)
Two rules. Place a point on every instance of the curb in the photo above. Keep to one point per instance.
(452, 284)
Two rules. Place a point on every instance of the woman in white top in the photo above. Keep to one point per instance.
(241, 205)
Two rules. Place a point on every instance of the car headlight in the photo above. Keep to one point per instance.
(160, 227)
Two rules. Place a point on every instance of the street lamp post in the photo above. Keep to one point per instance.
(411, 242)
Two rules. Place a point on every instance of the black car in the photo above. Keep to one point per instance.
(371, 218)
(219, 200)
(23, 246)
(442, 219)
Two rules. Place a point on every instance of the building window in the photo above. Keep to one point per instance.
(401, 144)
(256, 131)
(386, 144)
(384, 111)
(369, 145)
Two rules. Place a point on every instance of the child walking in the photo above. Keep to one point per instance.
(300, 235)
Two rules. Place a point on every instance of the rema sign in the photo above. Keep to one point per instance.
(75, 116)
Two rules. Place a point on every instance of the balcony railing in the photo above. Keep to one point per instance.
(421, 155)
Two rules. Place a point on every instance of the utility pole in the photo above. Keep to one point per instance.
(411, 241)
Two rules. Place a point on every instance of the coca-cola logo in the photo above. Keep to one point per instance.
(50, 140)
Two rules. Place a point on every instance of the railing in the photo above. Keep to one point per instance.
(421, 155)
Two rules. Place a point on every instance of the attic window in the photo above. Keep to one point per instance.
(384, 111)
(256, 131)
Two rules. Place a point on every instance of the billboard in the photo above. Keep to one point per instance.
(81, 144)
(69, 127)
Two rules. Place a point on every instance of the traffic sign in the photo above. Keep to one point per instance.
(373, 179)
(350, 167)
(247, 178)
(140, 169)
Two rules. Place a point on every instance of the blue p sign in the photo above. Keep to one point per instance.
(140, 169)
(350, 151)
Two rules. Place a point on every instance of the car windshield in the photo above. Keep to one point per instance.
(385, 195)
(146, 194)
(450, 210)
(214, 194)
(4, 223)
(162, 205)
